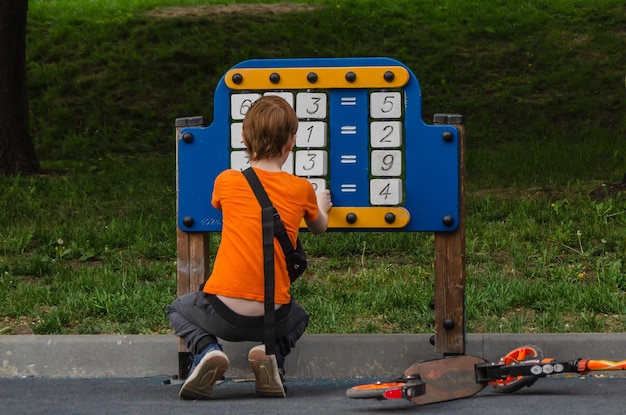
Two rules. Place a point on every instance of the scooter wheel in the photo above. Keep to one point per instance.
(515, 383)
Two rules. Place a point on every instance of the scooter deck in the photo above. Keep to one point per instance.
(447, 379)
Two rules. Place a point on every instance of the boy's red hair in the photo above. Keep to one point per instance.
(268, 126)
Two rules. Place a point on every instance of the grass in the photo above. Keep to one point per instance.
(89, 246)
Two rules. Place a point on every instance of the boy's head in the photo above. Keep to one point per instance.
(268, 127)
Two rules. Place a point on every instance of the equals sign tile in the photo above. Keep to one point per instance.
(348, 158)
(348, 188)
(348, 100)
(348, 129)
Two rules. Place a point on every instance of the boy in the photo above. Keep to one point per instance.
(231, 305)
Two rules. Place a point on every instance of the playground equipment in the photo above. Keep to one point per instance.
(362, 136)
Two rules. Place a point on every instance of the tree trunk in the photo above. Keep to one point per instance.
(17, 153)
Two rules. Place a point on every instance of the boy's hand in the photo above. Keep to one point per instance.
(324, 202)
(320, 224)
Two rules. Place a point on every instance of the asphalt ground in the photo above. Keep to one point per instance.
(571, 395)
(120, 374)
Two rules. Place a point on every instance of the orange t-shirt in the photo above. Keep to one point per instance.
(238, 268)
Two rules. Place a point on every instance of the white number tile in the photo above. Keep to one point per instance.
(385, 105)
(287, 96)
(239, 160)
(385, 134)
(386, 162)
(236, 141)
(288, 165)
(311, 134)
(311, 105)
(386, 192)
(311, 163)
(240, 104)
(318, 184)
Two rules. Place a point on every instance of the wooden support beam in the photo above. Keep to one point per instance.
(192, 259)
(450, 267)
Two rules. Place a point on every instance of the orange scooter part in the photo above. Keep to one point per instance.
(514, 383)
(589, 365)
(453, 377)
(436, 380)
(373, 390)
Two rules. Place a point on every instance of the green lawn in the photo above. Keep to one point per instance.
(90, 246)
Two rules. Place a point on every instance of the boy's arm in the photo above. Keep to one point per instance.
(320, 224)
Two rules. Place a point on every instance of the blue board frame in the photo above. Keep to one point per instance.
(431, 156)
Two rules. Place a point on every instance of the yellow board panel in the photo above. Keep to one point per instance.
(366, 218)
(309, 78)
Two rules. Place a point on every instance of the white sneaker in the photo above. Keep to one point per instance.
(268, 376)
(210, 368)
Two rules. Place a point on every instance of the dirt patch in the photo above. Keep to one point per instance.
(19, 325)
(225, 9)
(606, 190)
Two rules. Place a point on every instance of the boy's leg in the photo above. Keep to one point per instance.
(187, 314)
(184, 314)
(269, 370)
(194, 320)
(208, 367)
(290, 329)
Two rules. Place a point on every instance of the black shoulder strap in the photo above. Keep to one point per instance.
(268, 215)
(280, 232)
(257, 187)
(269, 318)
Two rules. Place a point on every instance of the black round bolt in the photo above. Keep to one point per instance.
(389, 76)
(188, 221)
(237, 78)
(350, 77)
(351, 218)
(447, 136)
(432, 304)
(311, 77)
(390, 218)
(187, 138)
(274, 78)
(448, 220)
(432, 340)
(448, 324)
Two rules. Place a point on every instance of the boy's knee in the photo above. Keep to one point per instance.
(287, 342)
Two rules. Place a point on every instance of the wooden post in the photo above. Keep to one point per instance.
(192, 258)
(450, 265)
